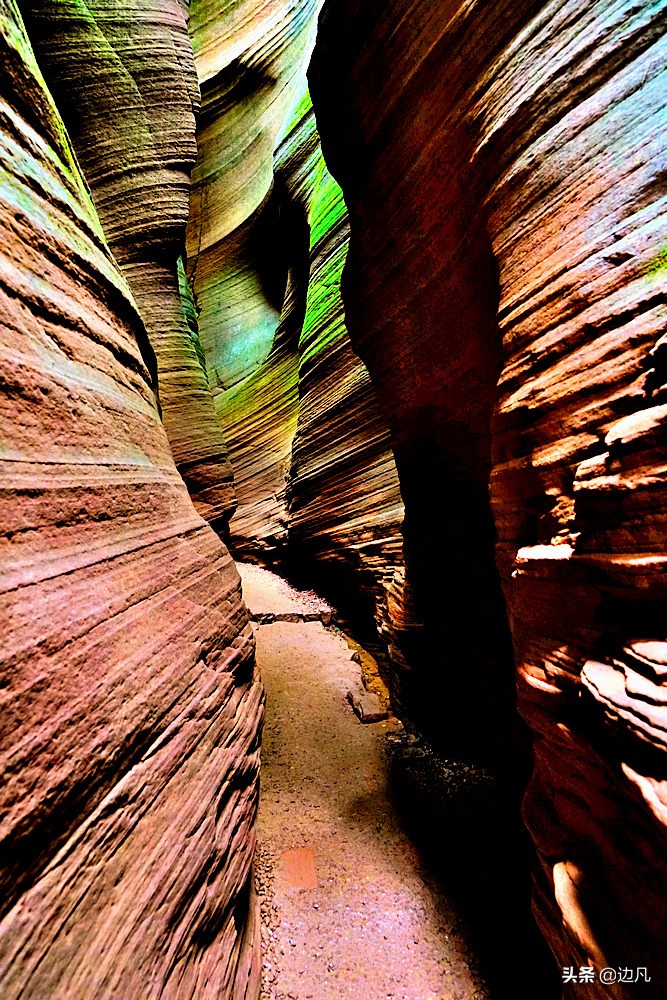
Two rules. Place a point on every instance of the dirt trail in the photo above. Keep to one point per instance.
(347, 910)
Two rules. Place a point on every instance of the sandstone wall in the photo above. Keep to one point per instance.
(345, 507)
(313, 467)
(505, 285)
(131, 712)
(123, 78)
(260, 410)
(250, 60)
(271, 318)
(421, 291)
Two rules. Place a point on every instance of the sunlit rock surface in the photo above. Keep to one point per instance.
(314, 473)
(345, 507)
(506, 197)
(129, 744)
(251, 61)
(123, 77)
(271, 318)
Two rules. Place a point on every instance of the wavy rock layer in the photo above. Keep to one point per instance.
(250, 64)
(506, 195)
(123, 77)
(420, 290)
(250, 60)
(260, 411)
(345, 507)
(129, 746)
(325, 501)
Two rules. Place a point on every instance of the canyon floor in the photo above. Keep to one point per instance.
(348, 909)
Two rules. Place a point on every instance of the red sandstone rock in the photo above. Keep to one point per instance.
(503, 182)
(131, 712)
(420, 293)
(124, 81)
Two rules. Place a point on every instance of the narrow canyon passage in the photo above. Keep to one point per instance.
(348, 911)
(374, 297)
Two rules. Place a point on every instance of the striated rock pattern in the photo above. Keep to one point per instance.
(420, 292)
(507, 206)
(131, 713)
(260, 411)
(327, 501)
(250, 60)
(345, 507)
(580, 462)
(124, 81)
(249, 257)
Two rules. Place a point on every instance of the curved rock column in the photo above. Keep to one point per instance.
(123, 78)
(260, 410)
(345, 507)
(129, 749)
(420, 289)
(506, 192)
(250, 60)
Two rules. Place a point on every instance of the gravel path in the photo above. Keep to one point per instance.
(347, 910)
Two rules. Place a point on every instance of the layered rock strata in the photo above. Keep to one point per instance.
(420, 290)
(314, 472)
(260, 411)
(252, 267)
(123, 77)
(507, 216)
(345, 507)
(250, 61)
(131, 713)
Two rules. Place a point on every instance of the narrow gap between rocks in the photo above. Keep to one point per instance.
(375, 868)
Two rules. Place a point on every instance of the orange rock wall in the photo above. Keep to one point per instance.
(124, 81)
(129, 747)
(505, 285)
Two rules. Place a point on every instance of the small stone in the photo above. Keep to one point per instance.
(367, 706)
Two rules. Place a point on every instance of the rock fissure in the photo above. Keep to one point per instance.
(401, 341)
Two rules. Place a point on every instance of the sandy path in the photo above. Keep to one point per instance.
(347, 910)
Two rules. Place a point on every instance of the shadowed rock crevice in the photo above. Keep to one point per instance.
(462, 157)
(428, 333)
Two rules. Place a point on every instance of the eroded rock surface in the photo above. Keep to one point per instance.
(124, 81)
(131, 712)
(420, 290)
(507, 219)
(267, 238)
(260, 411)
(250, 60)
(345, 506)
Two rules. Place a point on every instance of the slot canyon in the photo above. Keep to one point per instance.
(334, 476)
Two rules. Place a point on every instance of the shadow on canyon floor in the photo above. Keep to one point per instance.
(465, 820)
(461, 811)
